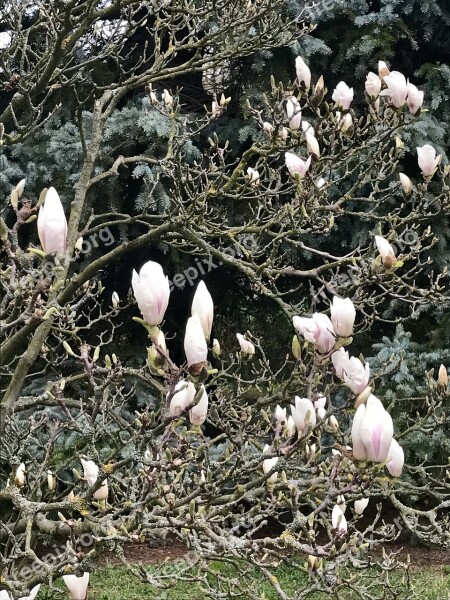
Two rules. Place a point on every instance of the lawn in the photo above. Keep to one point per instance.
(117, 583)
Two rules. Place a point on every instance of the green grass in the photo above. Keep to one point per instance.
(114, 583)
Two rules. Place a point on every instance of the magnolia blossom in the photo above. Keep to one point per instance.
(397, 456)
(343, 95)
(267, 128)
(283, 133)
(203, 305)
(296, 121)
(52, 224)
(373, 85)
(443, 376)
(199, 412)
(195, 346)
(406, 183)
(268, 465)
(312, 145)
(292, 107)
(290, 426)
(339, 360)
(346, 122)
(303, 414)
(361, 505)
(386, 251)
(318, 330)
(253, 175)
(77, 586)
(90, 473)
(20, 477)
(372, 431)
(216, 347)
(115, 300)
(338, 519)
(303, 72)
(382, 69)
(414, 98)
(343, 315)
(296, 165)
(151, 290)
(280, 414)
(356, 375)
(320, 183)
(246, 346)
(308, 128)
(184, 394)
(319, 405)
(427, 159)
(397, 88)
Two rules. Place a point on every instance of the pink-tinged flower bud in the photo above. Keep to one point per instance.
(377, 430)
(361, 505)
(151, 290)
(428, 162)
(292, 107)
(308, 128)
(295, 165)
(406, 183)
(359, 449)
(343, 315)
(303, 73)
(268, 465)
(382, 69)
(339, 360)
(414, 98)
(346, 123)
(199, 412)
(267, 128)
(320, 403)
(184, 394)
(395, 465)
(33, 593)
(356, 375)
(338, 520)
(203, 305)
(396, 88)
(253, 175)
(312, 145)
(52, 224)
(320, 183)
(90, 473)
(343, 95)
(296, 121)
(246, 346)
(318, 330)
(386, 251)
(303, 414)
(373, 85)
(280, 414)
(283, 133)
(290, 427)
(195, 346)
(443, 376)
(20, 476)
(77, 586)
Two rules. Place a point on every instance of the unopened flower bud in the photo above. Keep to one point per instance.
(296, 348)
(406, 183)
(20, 477)
(51, 481)
(115, 299)
(443, 376)
(79, 244)
(216, 348)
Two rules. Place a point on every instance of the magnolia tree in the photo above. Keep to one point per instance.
(224, 444)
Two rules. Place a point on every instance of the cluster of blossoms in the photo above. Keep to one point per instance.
(392, 85)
